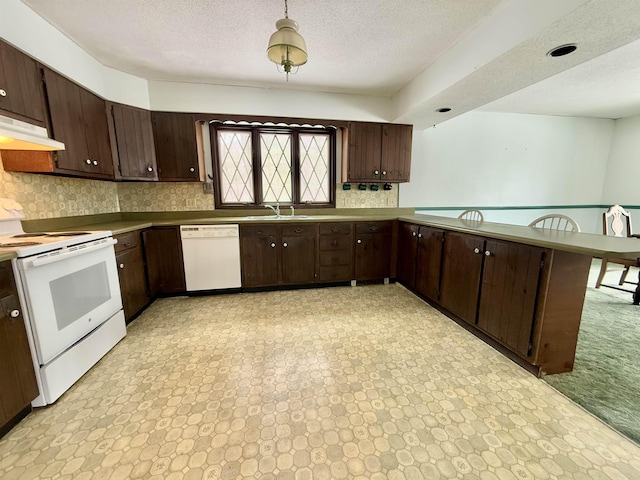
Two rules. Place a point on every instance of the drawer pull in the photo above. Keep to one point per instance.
(359, 241)
(334, 243)
(335, 229)
(273, 245)
(14, 313)
(121, 265)
(298, 230)
(285, 244)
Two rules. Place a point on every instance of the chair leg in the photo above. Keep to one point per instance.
(623, 277)
(603, 270)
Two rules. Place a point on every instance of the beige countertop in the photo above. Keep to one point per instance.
(5, 256)
(583, 243)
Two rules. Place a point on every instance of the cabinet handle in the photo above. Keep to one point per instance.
(476, 250)
(192, 169)
(487, 253)
(273, 245)
(3, 93)
(88, 161)
(384, 172)
(334, 243)
(121, 265)
(95, 162)
(359, 241)
(285, 244)
(335, 229)
(149, 169)
(414, 234)
(14, 313)
(376, 172)
(419, 235)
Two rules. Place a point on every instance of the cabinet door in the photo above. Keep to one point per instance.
(133, 281)
(176, 147)
(20, 86)
(96, 132)
(298, 256)
(430, 241)
(132, 135)
(395, 163)
(461, 269)
(373, 251)
(18, 385)
(259, 252)
(508, 295)
(67, 122)
(163, 253)
(364, 151)
(407, 254)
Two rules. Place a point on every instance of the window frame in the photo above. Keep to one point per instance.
(256, 163)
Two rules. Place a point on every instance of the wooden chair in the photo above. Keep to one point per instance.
(617, 222)
(472, 215)
(556, 222)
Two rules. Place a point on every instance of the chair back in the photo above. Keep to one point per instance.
(472, 215)
(617, 222)
(556, 222)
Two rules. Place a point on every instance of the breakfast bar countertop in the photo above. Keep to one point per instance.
(590, 244)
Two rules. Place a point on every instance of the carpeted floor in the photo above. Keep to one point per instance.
(606, 376)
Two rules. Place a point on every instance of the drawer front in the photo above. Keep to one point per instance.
(339, 257)
(373, 227)
(127, 241)
(336, 242)
(341, 228)
(259, 230)
(335, 274)
(305, 229)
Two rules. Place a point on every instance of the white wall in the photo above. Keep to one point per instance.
(190, 97)
(484, 159)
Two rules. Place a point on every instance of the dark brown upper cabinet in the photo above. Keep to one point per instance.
(176, 144)
(376, 152)
(21, 94)
(134, 153)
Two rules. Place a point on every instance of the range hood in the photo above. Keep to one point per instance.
(17, 135)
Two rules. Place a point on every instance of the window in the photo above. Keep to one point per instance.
(258, 165)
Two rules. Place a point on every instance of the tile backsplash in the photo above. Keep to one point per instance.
(48, 196)
(355, 198)
(163, 197)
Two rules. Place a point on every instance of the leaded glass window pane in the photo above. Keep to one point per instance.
(314, 168)
(236, 169)
(275, 149)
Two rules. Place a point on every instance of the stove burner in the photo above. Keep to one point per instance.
(19, 244)
(29, 235)
(66, 234)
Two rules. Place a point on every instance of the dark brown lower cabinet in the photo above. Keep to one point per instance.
(429, 260)
(165, 266)
(131, 272)
(460, 278)
(278, 255)
(510, 278)
(373, 250)
(18, 385)
(407, 254)
(335, 252)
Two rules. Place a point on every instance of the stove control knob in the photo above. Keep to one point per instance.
(15, 313)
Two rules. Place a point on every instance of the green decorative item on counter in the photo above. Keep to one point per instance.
(362, 186)
(374, 187)
(346, 186)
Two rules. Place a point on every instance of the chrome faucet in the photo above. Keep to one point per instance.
(275, 209)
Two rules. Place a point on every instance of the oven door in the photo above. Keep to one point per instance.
(69, 292)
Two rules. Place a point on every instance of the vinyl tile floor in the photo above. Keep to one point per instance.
(364, 382)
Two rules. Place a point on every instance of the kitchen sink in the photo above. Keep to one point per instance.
(275, 217)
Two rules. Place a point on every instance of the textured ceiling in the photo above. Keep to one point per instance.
(379, 47)
(354, 46)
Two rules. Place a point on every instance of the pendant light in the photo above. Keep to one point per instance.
(287, 48)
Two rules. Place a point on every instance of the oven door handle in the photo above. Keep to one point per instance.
(65, 255)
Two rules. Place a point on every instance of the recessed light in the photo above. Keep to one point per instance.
(562, 50)
(443, 110)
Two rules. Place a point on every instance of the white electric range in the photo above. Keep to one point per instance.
(70, 294)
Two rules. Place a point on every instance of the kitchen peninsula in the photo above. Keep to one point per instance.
(520, 289)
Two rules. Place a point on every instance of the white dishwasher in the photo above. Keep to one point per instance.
(211, 256)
